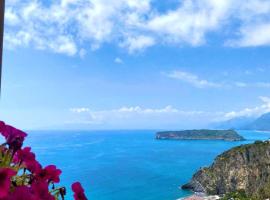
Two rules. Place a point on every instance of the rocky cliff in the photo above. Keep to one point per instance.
(245, 168)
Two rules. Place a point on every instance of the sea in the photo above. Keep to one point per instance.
(127, 165)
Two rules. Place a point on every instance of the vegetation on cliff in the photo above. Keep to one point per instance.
(245, 168)
(204, 134)
(238, 195)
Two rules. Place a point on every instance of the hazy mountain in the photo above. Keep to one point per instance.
(235, 123)
(262, 123)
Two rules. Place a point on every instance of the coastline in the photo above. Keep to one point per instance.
(137, 148)
(200, 197)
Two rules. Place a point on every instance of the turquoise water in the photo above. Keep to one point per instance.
(127, 165)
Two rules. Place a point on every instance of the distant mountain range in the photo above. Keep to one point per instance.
(261, 123)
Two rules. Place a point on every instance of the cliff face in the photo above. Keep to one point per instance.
(246, 168)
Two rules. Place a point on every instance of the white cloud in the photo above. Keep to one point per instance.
(192, 79)
(136, 109)
(266, 101)
(62, 44)
(11, 18)
(198, 82)
(64, 26)
(251, 85)
(118, 60)
(166, 117)
(190, 22)
(255, 23)
(79, 110)
(31, 24)
(253, 35)
(251, 112)
(139, 117)
(137, 43)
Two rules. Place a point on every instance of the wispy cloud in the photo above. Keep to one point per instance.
(168, 116)
(138, 110)
(79, 110)
(240, 84)
(139, 117)
(132, 24)
(195, 81)
(192, 79)
(251, 85)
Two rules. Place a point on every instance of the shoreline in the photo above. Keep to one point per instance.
(200, 197)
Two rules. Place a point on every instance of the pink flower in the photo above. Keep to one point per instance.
(40, 179)
(34, 167)
(5, 180)
(50, 174)
(14, 137)
(37, 191)
(24, 155)
(41, 192)
(78, 191)
(27, 158)
(22, 193)
(2, 126)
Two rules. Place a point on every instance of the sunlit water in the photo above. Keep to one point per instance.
(127, 165)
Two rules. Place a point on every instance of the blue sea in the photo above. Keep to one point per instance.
(127, 165)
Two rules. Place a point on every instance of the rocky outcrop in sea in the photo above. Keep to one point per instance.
(202, 134)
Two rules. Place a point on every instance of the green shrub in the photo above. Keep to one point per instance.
(238, 195)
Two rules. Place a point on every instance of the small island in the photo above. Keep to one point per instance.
(203, 134)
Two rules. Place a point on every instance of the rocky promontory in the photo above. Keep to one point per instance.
(245, 168)
(203, 134)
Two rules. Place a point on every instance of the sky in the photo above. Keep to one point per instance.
(134, 64)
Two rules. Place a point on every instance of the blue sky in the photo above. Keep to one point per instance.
(90, 64)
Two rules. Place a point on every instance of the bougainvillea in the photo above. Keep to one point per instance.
(22, 177)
